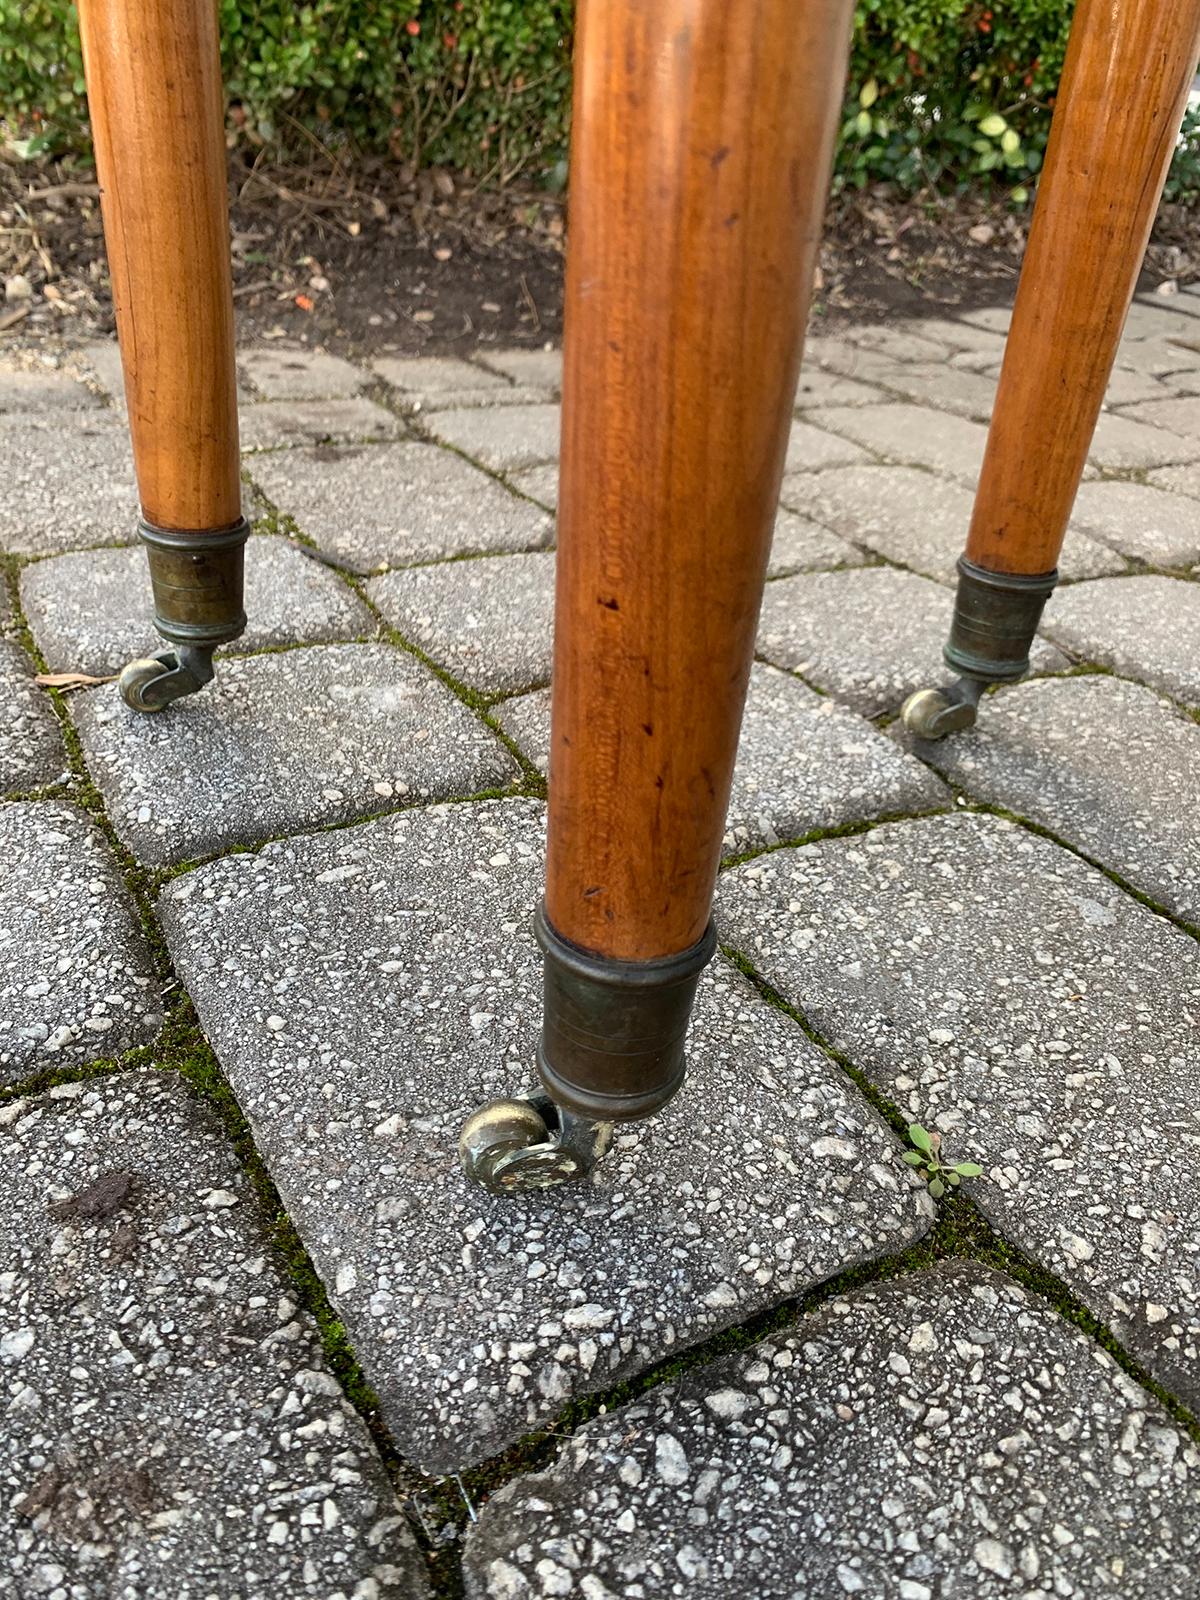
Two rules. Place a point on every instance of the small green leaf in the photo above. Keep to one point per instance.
(955, 1180)
(937, 1188)
(969, 1169)
(918, 1136)
(914, 1158)
(1020, 195)
(993, 125)
(862, 123)
(1010, 141)
(868, 94)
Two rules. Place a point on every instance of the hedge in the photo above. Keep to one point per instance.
(942, 93)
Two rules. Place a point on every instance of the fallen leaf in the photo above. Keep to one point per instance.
(70, 680)
(304, 302)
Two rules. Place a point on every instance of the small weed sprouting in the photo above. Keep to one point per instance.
(926, 1157)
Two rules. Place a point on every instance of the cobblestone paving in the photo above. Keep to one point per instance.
(1033, 1000)
(906, 1440)
(172, 1429)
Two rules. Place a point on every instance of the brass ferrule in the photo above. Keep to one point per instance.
(197, 579)
(996, 616)
(613, 1032)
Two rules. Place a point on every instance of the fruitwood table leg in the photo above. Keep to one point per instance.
(1124, 88)
(701, 152)
(157, 112)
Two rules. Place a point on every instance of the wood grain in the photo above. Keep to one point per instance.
(157, 113)
(701, 150)
(1124, 88)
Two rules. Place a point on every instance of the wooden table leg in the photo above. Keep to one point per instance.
(1124, 89)
(157, 112)
(701, 152)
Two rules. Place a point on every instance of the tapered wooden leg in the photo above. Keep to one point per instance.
(701, 152)
(1124, 89)
(157, 113)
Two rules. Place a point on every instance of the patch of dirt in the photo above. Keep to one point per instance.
(103, 1197)
(381, 258)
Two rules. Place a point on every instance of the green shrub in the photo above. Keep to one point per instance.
(946, 93)
(942, 93)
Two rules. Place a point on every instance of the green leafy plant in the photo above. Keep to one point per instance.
(1183, 180)
(926, 1157)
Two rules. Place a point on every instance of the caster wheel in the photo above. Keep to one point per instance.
(136, 678)
(507, 1148)
(932, 714)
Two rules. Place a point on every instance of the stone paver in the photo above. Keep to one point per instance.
(280, 374)
(1187, 382)
(66, 485)
(837, 356)
(943, 1434)
(539, 483)
(912, 435)
(1148, 319)
(1141, 521)
(1001, 990)
(946, 388)
(489, 622)
(901, 343)
(959, 335)
(445, 383)
(920, 520)
(1144, 628)
(1107, 765)
(1121, 444)
(1178, 480)
(537, 369)
(31, 748)
(505, 439)
(102, 362)
(358, 1028)
(76, 978)
(27, 389)
(91, 611)
(812, 448)
(277, 424)
(868, 637)
(804, 763)
(1128, 388)
(1158, 358)
(820, 388)
(802, 545)
(282, 742)
(172, 1429)
(397, 503)
(995, 319)
(1179, 416)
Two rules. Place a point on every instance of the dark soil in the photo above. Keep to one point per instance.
(381, 258)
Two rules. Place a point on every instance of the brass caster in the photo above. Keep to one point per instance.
(933, 713)
(518, 1146)
(153, 682)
